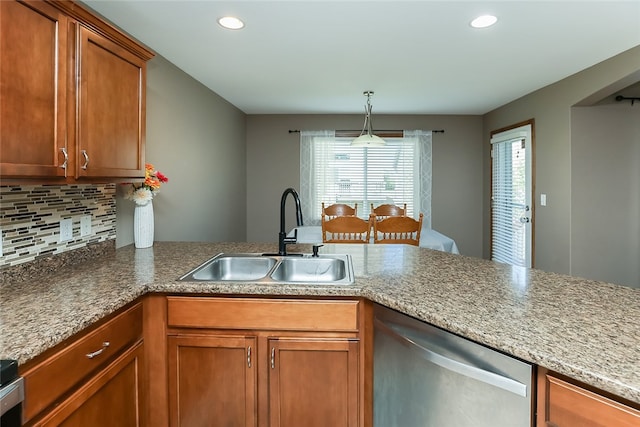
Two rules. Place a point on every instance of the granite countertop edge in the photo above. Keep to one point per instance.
(431, 286)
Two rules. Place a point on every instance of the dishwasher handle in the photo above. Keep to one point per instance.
(470, 371)
(11, 395)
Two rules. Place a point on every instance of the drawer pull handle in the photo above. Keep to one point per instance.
(86, 159)
(66, 158)
(273, 358)
(98, 352)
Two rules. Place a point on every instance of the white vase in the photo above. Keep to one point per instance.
(143, 225)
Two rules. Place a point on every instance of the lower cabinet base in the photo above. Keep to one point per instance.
(256, 366)
(564, 404)
(111, 398)
(235, 381)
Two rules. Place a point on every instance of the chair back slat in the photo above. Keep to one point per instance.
(345, 229)
(396, 229)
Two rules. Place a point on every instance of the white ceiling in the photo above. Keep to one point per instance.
(420, 57)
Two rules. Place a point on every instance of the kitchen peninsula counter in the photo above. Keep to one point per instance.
(584, 329)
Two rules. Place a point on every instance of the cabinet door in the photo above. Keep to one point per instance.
(212, 381)
(562, 404)
(110, 398)
(34, 56)
(111, 101)
(313, 382)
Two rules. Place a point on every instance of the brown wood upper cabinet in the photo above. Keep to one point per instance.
(33, 89)
(72, 95)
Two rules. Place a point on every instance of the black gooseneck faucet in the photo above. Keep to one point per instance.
(283, 240)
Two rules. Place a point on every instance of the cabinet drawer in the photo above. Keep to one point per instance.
(250, 313)
(57, 374)
(109, 398)
(571, 406)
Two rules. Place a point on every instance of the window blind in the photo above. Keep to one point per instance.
(332, 171)
(508, 242)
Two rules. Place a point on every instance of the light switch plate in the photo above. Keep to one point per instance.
(66, 230)
(85, 225)
(543, 200)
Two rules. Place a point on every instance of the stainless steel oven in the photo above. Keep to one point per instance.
(11, 394)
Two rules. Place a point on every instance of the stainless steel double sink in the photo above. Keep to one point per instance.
(334, 269)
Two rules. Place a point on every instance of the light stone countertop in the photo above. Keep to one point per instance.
(584, 329)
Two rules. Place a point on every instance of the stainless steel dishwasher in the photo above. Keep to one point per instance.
(11, 394)
(427, 377)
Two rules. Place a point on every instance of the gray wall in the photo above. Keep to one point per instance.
(197, 139)
(605, 197)
(227, 170)
(273, 164)
(551, 108)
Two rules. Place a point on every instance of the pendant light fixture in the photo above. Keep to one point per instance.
(367, 138)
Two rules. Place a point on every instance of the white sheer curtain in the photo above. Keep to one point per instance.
(422, 178)
(309, 197)
(331, 171)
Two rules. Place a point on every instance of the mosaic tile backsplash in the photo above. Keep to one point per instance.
(30, 219)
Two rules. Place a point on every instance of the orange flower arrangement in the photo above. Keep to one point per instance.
(143, 193)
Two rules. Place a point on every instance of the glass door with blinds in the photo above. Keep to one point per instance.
(511, 196)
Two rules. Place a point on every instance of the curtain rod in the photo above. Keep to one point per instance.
(627, 98)
(381, 131)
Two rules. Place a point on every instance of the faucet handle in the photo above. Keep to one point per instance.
(293, 239)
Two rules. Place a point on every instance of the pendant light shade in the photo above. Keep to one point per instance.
(367, 138)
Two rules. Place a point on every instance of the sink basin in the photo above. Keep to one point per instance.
(310, 269)
(324, 269)
(238, 267)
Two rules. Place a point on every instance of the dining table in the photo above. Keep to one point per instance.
(429, 238)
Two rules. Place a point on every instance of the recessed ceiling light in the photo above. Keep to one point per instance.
(231, 22)
(484, 21)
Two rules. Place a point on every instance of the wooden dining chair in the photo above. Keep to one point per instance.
(345, 229)
(387, 210)
(339, 209)
(397, 229)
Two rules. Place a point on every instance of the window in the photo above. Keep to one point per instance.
(332, 171)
